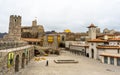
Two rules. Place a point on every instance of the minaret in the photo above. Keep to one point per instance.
(92, 31)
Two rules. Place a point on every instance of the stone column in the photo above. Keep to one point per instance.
(36, 43)
(108, 60)
(115, 61)
(32, 43)
(90, 56)
(102, 59)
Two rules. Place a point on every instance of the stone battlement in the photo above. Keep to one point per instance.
(15, 16)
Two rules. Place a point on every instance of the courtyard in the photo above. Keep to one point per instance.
(86, 66)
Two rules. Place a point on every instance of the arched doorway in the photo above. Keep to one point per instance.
(23, 60)
(27, 57)
(92, 53)
(36, 53)
(17, 63)
(62, 45)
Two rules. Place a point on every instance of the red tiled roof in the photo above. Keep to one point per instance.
(97, 40)
(80, 46)
(110, 55)
(92, 25)
(108, 47)
(31, 39)
(114, 39)
(106, 34)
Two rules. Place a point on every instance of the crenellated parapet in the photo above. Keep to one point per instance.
(14, 32)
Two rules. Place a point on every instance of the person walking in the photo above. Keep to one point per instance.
(47, 63)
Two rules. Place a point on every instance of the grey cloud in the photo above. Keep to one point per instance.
(62, 14)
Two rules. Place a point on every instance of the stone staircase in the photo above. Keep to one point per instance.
(40, 50)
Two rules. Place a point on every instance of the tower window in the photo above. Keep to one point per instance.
(15, 20)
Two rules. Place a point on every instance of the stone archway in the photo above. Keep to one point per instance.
(17, 63)
(92, 53)
(36, 52)
(23, 60)
(27, 57)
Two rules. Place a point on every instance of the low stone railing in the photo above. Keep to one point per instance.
(65, 61)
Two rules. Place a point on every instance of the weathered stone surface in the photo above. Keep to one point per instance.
(34, 31)
(85, 66)
(14, 28)
(10, 70)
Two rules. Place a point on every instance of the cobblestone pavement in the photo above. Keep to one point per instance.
(86, 66)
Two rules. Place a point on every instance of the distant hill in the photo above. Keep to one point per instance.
(2, 34)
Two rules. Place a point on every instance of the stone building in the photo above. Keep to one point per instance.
(77, 36)
(70, 37)
(107, 31)
(33, 34)
(79, 48)
(14, 28)
(51, 41)
(12, 60)
(97, 30)
(84, 37)
(106, 49)
(34, 31)
(62, 39)
(15, 53)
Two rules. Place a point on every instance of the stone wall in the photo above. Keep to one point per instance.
(10, 70)
(54, 42)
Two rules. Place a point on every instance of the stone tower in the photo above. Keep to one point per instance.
(14, 27)
(92, 32)
(34, 23)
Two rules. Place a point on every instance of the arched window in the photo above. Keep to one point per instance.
(92, 53)
(63, 38)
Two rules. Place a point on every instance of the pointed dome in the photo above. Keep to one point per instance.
(92, 26)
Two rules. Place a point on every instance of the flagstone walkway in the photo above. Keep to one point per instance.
(86, 66)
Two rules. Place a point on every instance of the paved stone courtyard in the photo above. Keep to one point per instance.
(86, 66)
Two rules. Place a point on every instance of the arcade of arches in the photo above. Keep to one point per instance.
(22, 59)
(16, 59)
(17, 63)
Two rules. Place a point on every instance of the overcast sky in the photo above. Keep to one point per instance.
(58, 15)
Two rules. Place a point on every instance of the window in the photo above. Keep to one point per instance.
(112, 60)
(118, 51)
(92, 44)
(105, 60)
(117, 43)
(118, 61)
(111, 43)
